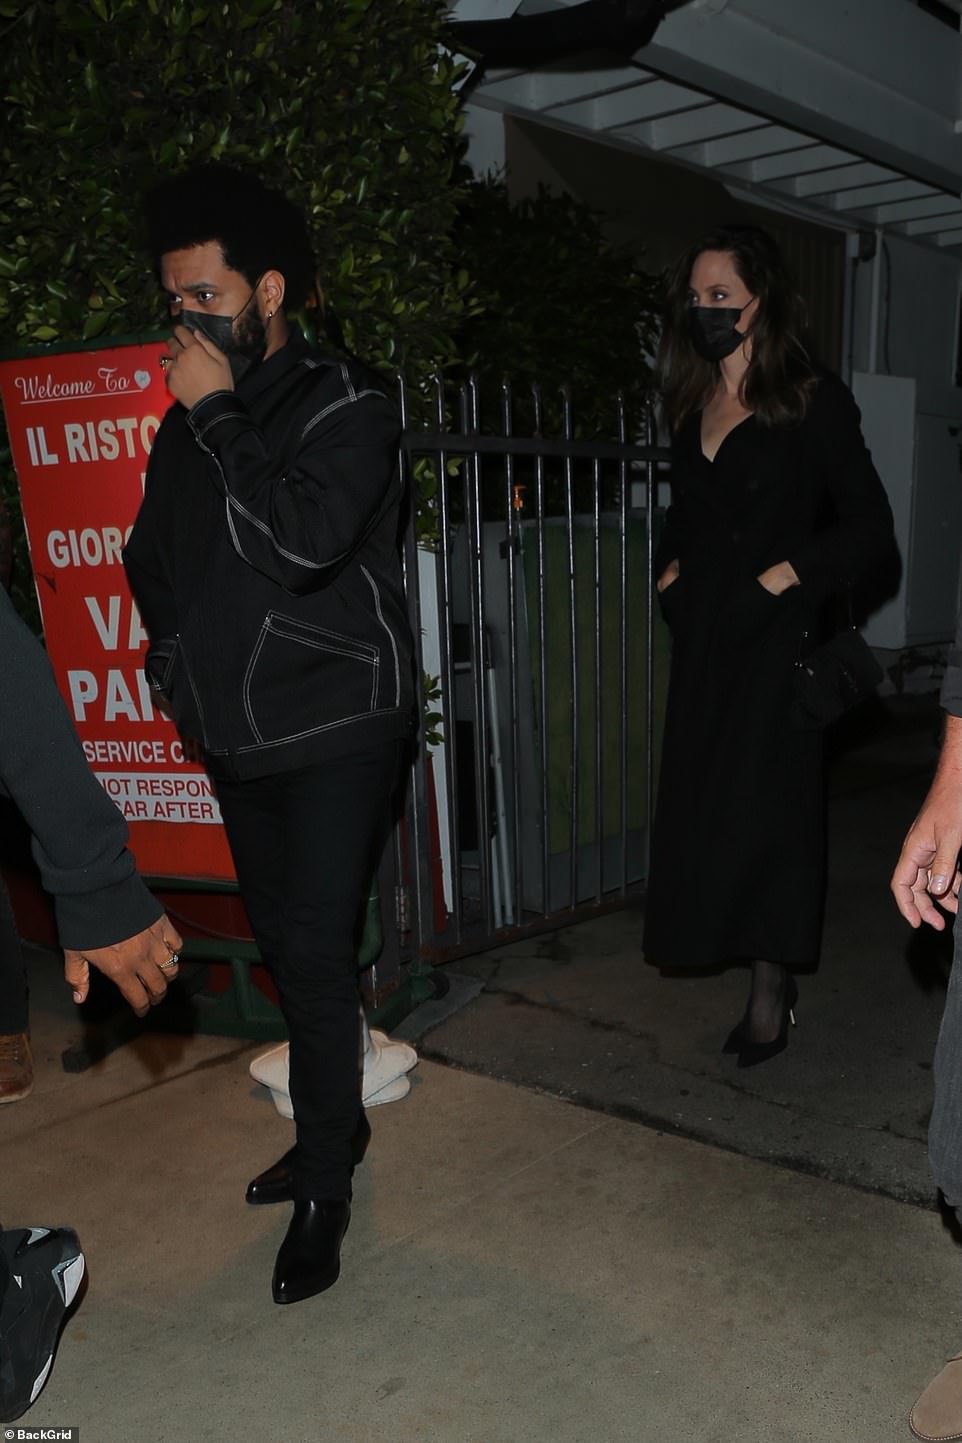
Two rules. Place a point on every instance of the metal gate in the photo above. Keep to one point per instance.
(530, 801)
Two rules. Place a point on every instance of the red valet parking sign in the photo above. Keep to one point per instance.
(81, 426)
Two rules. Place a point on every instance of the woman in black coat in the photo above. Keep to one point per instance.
(775, 506)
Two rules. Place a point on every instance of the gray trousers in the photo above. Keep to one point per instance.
(945, 1129)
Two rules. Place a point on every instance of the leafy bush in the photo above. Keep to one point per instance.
(557, 304)
(348, 106)
(553, 303)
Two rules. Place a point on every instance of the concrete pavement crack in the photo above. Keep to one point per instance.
(729, 1084)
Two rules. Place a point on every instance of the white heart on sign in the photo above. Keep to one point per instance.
(142, 378)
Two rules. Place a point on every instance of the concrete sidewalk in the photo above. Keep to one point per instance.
(519, 1269)
(579, 1013)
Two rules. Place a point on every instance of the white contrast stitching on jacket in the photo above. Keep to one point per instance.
(347, 382)
(262, 526)
(344, 401)
(380, 616)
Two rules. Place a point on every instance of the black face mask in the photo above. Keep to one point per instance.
(243, 348)
(713, 332)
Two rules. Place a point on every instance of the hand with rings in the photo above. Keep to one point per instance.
(172, 960)
(141, 965)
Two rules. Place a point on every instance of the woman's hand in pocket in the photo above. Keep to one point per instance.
(779, 578)
(668, 576)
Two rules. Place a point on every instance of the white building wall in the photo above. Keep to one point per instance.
(906, 312)
(904, 346)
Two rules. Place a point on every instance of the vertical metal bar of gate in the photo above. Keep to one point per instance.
(650, 484)
(542, 658)
(512, 560)
(599, 678)
(417, 809)
(623, 484)
(478, 648)
(568, 470)
(447, 664)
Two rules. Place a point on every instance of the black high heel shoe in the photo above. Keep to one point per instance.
(736, 1039)
(750, 1054)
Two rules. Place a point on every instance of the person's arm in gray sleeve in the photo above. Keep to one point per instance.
(79, 837)
(951, 698)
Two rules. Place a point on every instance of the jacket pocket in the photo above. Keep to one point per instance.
(303, 678)
(672, 603)
(754, 614)
(170, 682)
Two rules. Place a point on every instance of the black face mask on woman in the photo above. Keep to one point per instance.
(713, 332)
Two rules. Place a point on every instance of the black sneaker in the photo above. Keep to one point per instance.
(40, 1272)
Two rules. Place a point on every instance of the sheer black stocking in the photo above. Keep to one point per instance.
(766, 1002)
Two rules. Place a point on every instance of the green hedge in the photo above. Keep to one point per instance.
(347, 105)
(555, 302)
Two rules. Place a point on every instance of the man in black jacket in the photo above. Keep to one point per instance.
(265, 564)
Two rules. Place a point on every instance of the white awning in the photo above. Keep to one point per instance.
(843, 111)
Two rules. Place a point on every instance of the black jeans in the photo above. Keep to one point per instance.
(305, 845)
(13, 972)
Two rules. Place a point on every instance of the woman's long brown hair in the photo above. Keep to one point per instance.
(781, 377)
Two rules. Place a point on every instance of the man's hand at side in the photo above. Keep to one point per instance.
(135, 965)
(928, 865)
(196, 368)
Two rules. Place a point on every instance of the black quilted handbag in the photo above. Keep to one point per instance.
(834, 678)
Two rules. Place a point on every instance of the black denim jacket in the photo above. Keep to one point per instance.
(264, 561)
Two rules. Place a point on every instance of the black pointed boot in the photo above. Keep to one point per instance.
(309, 1259)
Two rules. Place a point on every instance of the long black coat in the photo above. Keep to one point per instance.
(737, 858)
